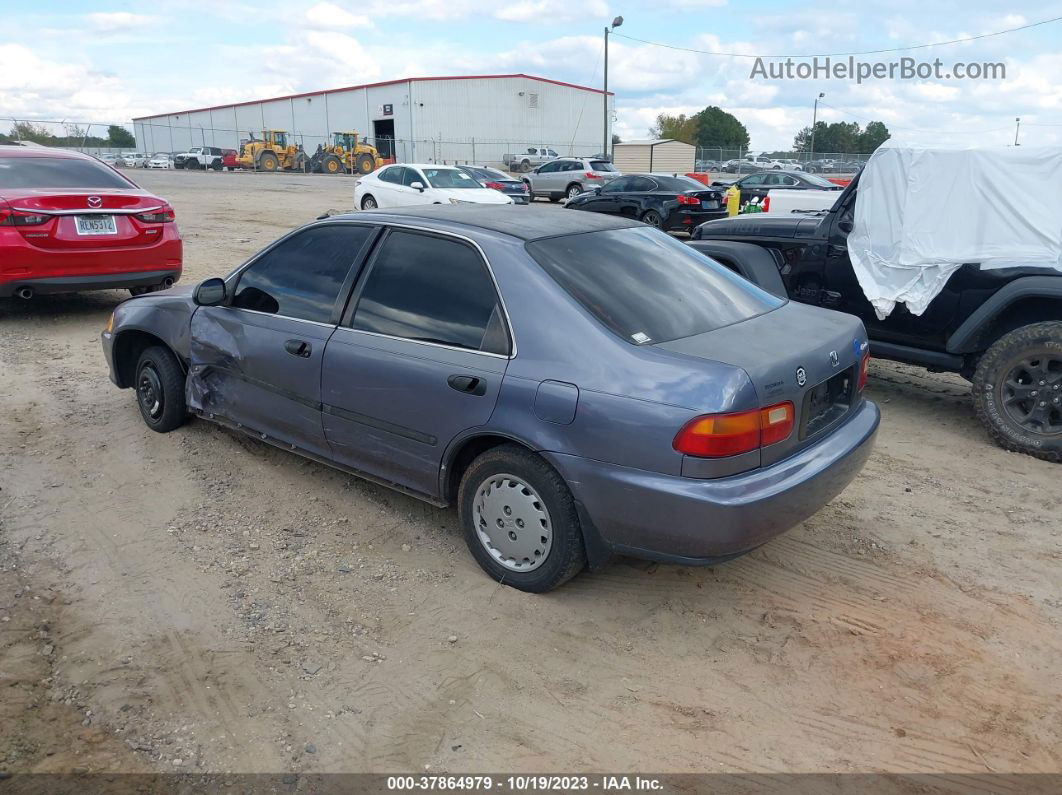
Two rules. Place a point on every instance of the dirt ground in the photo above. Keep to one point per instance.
(199, 601)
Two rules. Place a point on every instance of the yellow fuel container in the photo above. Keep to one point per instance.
(733, 200)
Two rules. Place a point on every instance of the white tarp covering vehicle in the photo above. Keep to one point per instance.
(925, 211)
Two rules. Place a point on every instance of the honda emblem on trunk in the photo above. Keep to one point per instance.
(834, 359)
(95, 202)
(802, 377)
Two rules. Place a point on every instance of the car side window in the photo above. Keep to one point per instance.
(641, 184)
(302, 275)
(392, 175)
(617, 185)
(551, 153)
(752, 181)
(432, 289)
(790, 181)
(574, 165)
(410, 175)
(548, 168)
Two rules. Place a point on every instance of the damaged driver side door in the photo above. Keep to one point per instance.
(256, 359)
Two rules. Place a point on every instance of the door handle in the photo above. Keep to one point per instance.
(469, 384)
(298, 348)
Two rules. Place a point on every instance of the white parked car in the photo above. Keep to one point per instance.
(133, 159)
(160, 160)
(406, 184)
(110, 158)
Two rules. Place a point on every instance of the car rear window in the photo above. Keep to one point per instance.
(815, 179)
(57, 172)
(601, 165)
(647, 287)
(679, 184)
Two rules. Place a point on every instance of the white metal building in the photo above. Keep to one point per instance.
(661, 155)
(420, 119)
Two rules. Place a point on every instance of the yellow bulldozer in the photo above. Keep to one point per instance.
(272, 152)
(345, 153)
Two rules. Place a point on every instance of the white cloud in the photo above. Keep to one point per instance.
(328, 16)
(120, 21)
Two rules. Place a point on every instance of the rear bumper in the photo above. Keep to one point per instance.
(689, 521)
(100, 281)
(688, 220)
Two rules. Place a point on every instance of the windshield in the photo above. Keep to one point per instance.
(449, 178)
(647, 287)
(58, 172)
(822, 182)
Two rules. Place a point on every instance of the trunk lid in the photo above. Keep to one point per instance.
(760, 225)
(779, 349)
(65, 207)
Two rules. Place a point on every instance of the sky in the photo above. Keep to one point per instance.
(108, 62)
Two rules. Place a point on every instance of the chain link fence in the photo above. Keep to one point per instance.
(745, 160)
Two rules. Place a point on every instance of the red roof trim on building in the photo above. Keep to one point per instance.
(374, 85)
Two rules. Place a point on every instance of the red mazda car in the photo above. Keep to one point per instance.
(70, 223)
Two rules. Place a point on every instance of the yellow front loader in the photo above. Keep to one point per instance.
(272, 152)
(345, 153)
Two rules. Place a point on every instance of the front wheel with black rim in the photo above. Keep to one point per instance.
(520, 521)
(1017, 390)
(159, 389)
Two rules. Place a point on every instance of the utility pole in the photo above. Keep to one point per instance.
(814, 121)
(1017, 128)
(607, 138)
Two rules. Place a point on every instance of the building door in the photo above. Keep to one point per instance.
(384, 134)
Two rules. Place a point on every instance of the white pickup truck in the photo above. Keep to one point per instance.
(528, 159)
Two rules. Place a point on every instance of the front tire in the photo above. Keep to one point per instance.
(1017, 391)
(268, 162)
(369, 203)
(519, 520)
(159, 386)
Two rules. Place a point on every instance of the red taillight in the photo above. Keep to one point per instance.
(682, 198)
(160, 216)
(766, 203)
(864, 365)
(21, 218)
(719, 435)
(494, 185)
(592, 175)
(526, 189)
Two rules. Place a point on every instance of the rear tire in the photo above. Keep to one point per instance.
(573, 191)
(159, 386)
(1017, 391)
(506, 533)
(268, 162)
(652, 217)
(369, 203)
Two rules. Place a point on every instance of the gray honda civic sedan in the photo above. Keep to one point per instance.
(581, 386)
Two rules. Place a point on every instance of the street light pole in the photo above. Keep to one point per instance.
(814, 121)
(1017, 127)
(607, 138)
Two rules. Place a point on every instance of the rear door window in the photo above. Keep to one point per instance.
(647, 287)
(601, 165)
(58, 172)
(301, 276)
(432, 289)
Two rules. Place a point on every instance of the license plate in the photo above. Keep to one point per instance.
(96, 225)
(707, 204)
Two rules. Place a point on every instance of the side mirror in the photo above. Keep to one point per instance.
(418, 185)
(210, 293)
(597, 191)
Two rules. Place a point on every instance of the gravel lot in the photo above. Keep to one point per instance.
(201, 601)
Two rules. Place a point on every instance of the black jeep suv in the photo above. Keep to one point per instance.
(1000, 329)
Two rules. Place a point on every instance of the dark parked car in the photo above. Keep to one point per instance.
(761, 183)
(1000, 329)
(667, 202)
(579, 385)
(497, 180)
(740, 167)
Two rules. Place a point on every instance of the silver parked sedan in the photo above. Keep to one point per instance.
(579, 385)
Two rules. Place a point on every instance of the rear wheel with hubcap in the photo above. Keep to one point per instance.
(573, 191)
(1017, 390)
(519, 520)
(369, 203)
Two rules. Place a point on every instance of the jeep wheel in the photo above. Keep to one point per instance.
(1017, 389)
(520, 520)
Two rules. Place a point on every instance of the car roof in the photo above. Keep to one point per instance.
(524, 223)
(42, 151)
(421, 165)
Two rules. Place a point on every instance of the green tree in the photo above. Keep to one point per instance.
(875, 134)
(718, 129)
(842, 138)
(616, 139)
(119, 136)
(680, 128)
(28, 131)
